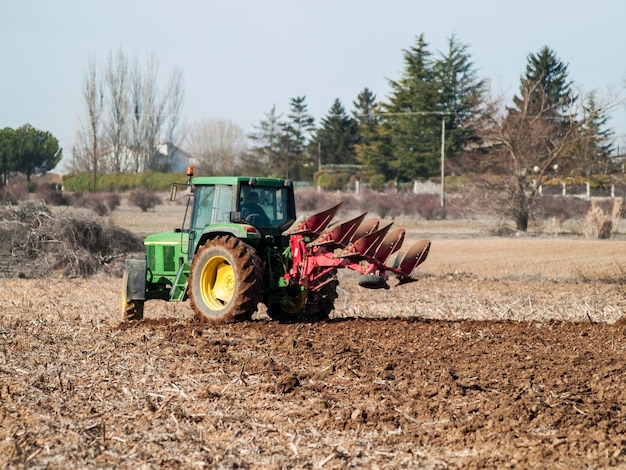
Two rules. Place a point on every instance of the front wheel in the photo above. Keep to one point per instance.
(132, 309)
(225, 281)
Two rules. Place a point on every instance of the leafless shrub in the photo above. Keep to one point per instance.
(426, 205)
(562, 207)
(13, 194)
(101, 203)
(112, 201)
(96, 202)
(311, 200)
(53, 196)
(144, 199)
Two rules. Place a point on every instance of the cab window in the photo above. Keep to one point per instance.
(264, 206)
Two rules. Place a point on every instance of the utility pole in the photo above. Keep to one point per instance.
(287, 156)
(319, 162)
(443, 172)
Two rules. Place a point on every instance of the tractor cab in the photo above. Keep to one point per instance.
(248, 208)
(268, 208)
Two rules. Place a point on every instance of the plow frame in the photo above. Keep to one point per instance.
(357, 244)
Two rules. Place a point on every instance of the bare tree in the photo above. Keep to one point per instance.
(528, 144)
(154, 111)
(86, 150)
(115, 128)
(155, 114)
(132, 120)
(136, 127)
(175, 98)
(217, 145)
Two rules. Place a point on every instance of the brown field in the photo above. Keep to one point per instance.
(508, 353)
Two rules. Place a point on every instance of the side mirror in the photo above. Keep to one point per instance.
(235, 216)
(173, 191)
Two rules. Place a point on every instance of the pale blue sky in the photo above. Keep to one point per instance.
(241, 57)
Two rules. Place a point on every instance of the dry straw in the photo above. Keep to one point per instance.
(35, 242)
(600, 224)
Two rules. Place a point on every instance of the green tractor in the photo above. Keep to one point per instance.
(242, 244)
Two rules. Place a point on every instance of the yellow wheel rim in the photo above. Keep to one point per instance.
(217, 283)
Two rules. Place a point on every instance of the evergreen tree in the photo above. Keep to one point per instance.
(366, 113)
(267, 155)
(595, 143)
(37, 151)
(460, 95)
(297, 130)
(7, 154)
(336, 138)
(545, 89)
(412, 122)
(373, 149)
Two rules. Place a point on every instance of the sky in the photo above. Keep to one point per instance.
(241, 57)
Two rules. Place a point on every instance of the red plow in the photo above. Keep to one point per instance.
(319, 247)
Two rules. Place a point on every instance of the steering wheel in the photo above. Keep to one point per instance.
(254, 214)
(257, 219)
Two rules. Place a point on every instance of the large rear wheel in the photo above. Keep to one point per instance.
(225, 281)
(307, 306)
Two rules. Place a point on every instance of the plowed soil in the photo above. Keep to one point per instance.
(388, 382)
(508, 353)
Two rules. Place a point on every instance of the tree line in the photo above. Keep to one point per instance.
(441, 96)
(438, 105)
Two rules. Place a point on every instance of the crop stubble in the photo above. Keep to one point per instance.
(508, 353)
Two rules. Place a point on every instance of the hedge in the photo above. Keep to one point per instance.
(113, 182)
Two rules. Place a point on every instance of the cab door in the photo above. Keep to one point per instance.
(212, 205)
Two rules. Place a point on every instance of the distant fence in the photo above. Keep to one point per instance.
(585, 191)
(428, 187)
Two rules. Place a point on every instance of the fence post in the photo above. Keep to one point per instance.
(613, 191)
(588, 190)
(563, 189)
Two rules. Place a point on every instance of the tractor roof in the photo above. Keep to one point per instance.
(234, 180)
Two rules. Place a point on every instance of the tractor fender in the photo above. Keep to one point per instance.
(247, 233)
(135, 279)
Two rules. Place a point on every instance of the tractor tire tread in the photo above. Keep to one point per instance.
(248, 291)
